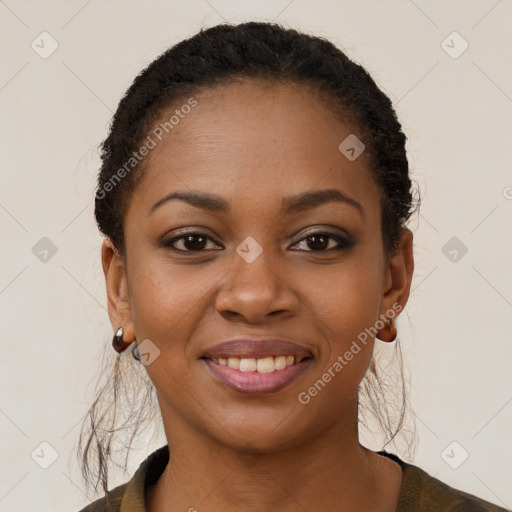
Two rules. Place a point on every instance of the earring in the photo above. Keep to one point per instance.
(118, 343)
(389, 332)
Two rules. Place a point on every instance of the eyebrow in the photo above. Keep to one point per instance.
(292, 204)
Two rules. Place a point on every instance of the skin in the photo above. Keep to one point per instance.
(254, 144)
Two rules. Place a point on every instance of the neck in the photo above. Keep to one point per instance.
(331, 468)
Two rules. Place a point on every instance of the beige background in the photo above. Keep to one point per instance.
(55, 111)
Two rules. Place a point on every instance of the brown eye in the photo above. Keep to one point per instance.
(191, 242)
(322, 242)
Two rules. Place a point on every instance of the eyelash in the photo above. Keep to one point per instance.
(344, 243)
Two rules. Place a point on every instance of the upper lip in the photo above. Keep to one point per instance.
(250, 348)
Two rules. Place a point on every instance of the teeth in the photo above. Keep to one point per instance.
(263, 365)
(247, 365)
(280, 362)
(234, 362)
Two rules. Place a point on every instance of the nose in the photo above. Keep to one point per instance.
(254, 291)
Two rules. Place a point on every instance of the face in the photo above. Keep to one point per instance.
(265, 259)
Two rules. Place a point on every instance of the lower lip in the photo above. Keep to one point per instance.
(256, 383)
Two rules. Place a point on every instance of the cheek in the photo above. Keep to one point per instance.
(166, 307)
(166, 302)
(347, 297)
(346, 308)
(344, 304)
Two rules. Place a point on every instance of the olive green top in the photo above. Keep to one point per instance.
(420, 492)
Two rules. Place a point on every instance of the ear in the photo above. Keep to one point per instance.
(398, 275)
(119, 311)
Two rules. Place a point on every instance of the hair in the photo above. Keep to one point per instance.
(221, 55)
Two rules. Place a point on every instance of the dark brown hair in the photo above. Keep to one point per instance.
(212, 57)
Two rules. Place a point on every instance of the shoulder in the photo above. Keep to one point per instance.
(130, 495)
(109, 503)
(422, 492)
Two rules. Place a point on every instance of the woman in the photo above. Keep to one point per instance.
(254, 192)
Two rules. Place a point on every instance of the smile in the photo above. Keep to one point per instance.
(257, 377)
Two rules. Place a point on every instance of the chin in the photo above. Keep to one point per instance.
(257, 434)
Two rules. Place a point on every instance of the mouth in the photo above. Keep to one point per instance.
(257, 367)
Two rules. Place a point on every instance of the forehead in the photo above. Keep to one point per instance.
(254, 138)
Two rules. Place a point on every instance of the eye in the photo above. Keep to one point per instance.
(321, 241)
(192, 242)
